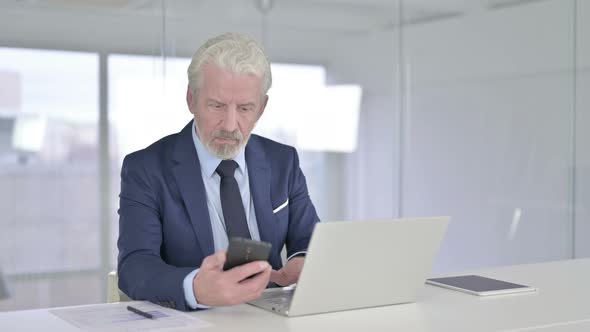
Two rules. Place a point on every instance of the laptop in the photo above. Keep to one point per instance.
(353, 265)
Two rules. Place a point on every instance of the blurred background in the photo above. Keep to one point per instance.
(477, 109)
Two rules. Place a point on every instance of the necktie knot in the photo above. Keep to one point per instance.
(227, 168)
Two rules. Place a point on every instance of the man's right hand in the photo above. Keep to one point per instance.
(215, 287)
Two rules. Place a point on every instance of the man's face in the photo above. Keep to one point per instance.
(226, 109)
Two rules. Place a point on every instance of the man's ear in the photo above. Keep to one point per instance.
(189, 99)
(264, 102)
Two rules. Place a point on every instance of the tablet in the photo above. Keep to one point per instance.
(479, 285)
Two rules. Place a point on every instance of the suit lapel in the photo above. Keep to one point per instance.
(187, 173)
(259, 172)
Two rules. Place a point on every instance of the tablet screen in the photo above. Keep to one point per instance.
(477, 283)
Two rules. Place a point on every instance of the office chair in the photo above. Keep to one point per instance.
(114, 294)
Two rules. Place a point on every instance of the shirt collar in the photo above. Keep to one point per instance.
(209, 162)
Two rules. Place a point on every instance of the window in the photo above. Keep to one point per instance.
(49, 175)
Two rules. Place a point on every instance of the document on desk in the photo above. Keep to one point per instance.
(116, 317)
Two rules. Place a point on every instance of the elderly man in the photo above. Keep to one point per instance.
(185, 195)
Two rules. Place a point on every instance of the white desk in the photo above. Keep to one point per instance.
(562, 304)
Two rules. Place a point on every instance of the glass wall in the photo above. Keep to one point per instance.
(490, 131)
(61, 226)
(474, 109)
(582, 130)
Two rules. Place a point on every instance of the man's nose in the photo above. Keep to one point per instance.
(230, 119)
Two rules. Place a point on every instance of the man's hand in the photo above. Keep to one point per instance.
(289, 274)
(215, 287)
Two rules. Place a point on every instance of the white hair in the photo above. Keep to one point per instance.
(238, 53)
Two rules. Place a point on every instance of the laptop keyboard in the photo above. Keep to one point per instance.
(280, 299)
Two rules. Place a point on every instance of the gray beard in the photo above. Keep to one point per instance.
(223, 151)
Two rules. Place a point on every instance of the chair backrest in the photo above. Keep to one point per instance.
(114, 294)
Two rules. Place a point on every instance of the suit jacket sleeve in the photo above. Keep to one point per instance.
(143, 275)
(302, 214)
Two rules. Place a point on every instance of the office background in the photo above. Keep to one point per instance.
(478, 109)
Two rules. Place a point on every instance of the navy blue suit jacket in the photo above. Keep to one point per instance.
(164, 226)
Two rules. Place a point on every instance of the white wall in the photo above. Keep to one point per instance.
(490, 133)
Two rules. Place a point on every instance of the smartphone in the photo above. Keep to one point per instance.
(241, 251)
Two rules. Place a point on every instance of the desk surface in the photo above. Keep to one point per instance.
(561, 304)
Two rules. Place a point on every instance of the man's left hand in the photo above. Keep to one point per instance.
(289, 274)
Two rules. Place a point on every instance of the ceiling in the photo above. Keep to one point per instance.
(342, 15)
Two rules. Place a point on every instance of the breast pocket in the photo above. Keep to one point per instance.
(281, 207)
(281, 217)
(281, 213)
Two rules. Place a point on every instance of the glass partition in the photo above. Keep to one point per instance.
(473, 109)
(490, 131)
(334, 98)
(582, 130)
(49, 241)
